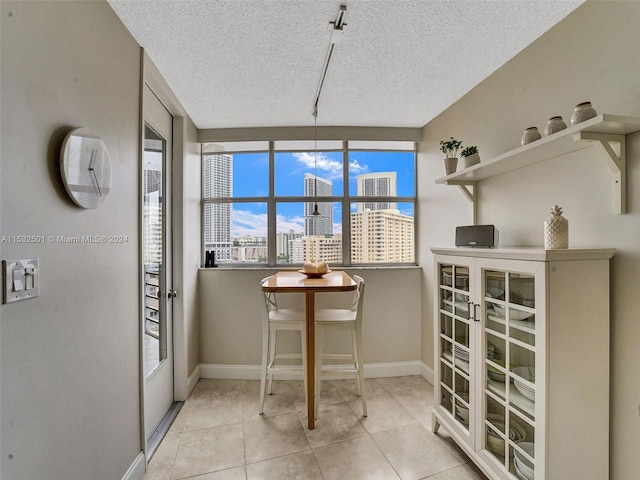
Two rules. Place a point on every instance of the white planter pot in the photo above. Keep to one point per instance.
(470, 160)
(450, 165)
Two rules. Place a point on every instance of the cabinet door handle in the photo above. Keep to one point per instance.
(471, 315)
(475, 312)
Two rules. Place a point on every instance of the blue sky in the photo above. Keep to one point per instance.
(251, 174)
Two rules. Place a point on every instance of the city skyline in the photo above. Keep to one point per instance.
(251, 173)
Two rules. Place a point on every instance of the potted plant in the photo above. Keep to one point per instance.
(450, 149)
(470, 156)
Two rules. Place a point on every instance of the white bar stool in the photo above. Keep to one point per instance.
(275, 319)
(350, 320)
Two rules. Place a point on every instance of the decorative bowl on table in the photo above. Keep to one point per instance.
(315, 269)
(315, 274)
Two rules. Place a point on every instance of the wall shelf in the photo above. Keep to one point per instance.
(605, 131)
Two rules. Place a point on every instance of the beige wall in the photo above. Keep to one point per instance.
(69, 358)
(591, 55)
(231, 329)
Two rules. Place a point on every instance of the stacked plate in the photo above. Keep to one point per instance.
(529, 374)
(460, 352)
(463, 354)
(513, 313)
(523, 466)
(496, 374)
(462, 412)
(495, 443)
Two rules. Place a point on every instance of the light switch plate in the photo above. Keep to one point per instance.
(21, 279)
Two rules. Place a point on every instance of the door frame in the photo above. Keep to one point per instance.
(151, 77)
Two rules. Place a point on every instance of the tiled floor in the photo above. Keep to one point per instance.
(219, 435)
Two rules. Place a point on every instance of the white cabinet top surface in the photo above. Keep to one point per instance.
(528, 253)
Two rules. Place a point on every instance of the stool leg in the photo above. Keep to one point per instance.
(273, 340)
(265, 365)
(303, 342)
(360, 376)
(356, 365)
(318, 366)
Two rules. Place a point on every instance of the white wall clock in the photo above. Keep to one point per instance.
(85, 167)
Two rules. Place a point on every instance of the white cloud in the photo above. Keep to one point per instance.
(246, 223)
(327, 167)
(356, 168)
(285, 224)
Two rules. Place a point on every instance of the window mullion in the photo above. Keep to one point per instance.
(346, 207)
(271, 210)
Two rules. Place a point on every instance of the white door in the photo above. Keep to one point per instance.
(156, 264)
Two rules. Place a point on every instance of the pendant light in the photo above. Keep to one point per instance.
(336, 28)
(316, 212)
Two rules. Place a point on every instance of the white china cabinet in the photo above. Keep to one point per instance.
(521, 364)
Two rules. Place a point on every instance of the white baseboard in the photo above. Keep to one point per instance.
(137, 468)
(252, 372)
(427, 372)
(193, 379)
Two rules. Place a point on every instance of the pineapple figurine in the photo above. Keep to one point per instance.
(556, 230)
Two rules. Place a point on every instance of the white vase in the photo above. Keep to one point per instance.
(556, 230)
(450, 165)
(554, 124)
(470, 160)
(531, 134)
(583, 111)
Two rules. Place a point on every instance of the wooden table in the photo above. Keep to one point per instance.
(295, 282)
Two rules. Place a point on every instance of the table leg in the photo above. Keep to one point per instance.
(311, 357)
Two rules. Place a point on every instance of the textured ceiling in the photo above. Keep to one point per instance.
(253, 63)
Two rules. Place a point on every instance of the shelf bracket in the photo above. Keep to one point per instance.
(616, 161)
(471, 196)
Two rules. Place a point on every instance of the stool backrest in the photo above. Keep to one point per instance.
(269, 299)
(358, 296)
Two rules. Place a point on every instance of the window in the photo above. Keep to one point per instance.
(287, 202)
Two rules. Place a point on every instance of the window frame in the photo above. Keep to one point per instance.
(346, 198)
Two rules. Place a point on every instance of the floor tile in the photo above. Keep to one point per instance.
(384, 413)
(286, 397)
(418, 401)
(290, 467)
(160, 466)
(348, 390)
(358, 459)
(217, 388)
(397, 384)
(209, 450)
(271, 437)
(448, 441)
(237, 473)
(219, 435)
(212, 411)
(415, 452)
(463, 472)
(335, 423)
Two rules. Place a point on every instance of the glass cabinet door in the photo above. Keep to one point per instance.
(455, 347)
(509, 307)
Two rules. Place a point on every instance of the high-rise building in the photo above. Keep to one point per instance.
(316, 247)
(318, 224)
(381, 236)
(379, 184)
(217, 178)
(152, 210)
(283, 253)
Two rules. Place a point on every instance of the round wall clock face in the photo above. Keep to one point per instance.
(86, 168)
